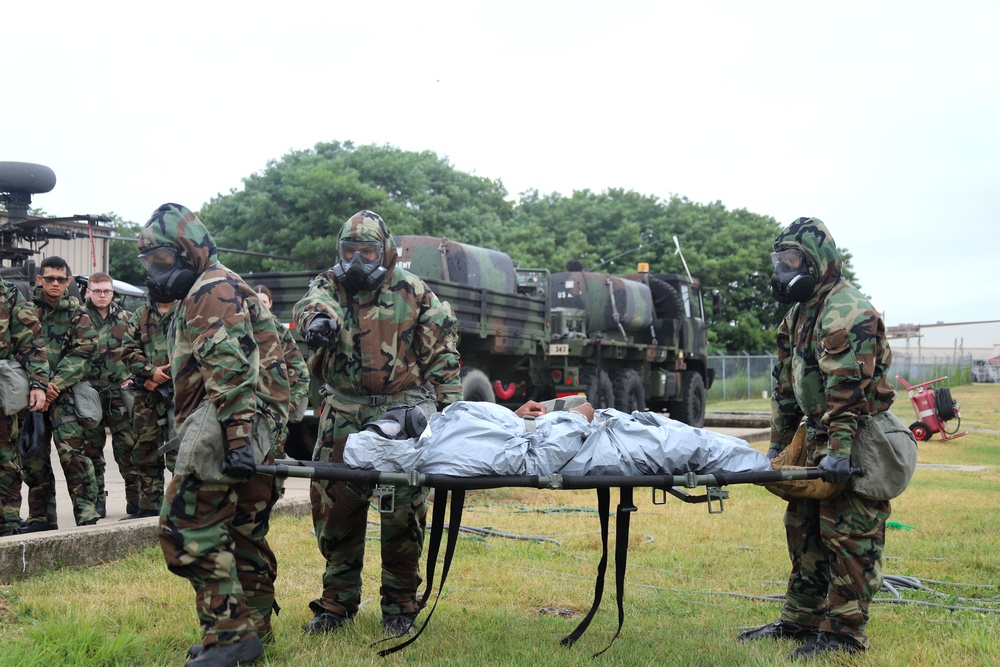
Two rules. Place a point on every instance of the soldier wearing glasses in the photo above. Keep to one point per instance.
(70, 343)
(107, 372)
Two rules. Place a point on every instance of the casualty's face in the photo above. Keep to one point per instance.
(54, 282)
(100, 294)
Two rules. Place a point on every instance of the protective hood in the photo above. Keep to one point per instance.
(369, 226)
(178, 226)
(812, 237)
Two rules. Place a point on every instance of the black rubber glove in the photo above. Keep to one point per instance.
(772, 453)
(239, 462)
(835, 469)
(321, 332)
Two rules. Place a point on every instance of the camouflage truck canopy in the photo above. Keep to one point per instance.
(607, 300)
(441, 259)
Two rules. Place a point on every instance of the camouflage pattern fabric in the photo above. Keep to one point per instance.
(832, 367)
(340, 517)
(70, 342)
(107, 371)
(392, 340)
(298, 379)
(146, 350)
(20, 340)
(223, 346)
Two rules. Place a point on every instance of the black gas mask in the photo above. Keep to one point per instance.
(168, 277)
(791, 280)
(360, 266)
(400, 422)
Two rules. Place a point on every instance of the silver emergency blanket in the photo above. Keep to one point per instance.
(471, 439)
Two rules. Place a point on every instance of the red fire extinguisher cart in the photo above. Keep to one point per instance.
(933, 408)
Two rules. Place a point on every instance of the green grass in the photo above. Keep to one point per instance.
(687, 572)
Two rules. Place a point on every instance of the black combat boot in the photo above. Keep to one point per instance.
(397, 625)
(140, 514)
(827, 642)
(228, 655)
(780, 630)
(36, 527)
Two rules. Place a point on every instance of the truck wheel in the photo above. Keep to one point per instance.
(690, 409)
(476, 387)
(597, 384)
(667, 303)
(628, 391)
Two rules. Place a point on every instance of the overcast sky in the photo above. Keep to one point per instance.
(880, 118)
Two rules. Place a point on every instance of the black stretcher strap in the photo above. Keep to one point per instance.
(603, 505)
(622, 521)
(437, 527)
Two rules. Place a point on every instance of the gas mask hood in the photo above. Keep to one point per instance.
(792, 280)
(168, 277)
(360, 266)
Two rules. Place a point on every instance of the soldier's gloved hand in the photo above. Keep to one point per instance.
(772, 453)
(239, 462)
(835, 469)
(321, 332)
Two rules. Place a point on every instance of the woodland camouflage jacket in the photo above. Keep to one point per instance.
(223, 341)
(298, 370)
(833, 356)
(70, 338)
(21, 335)
(108, 364)
(390, 340)
(147, 340)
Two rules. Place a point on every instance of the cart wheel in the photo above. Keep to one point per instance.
(920, 431)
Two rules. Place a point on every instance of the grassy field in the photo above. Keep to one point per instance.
(694, 581)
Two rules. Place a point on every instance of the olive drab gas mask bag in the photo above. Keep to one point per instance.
(13, 387)
(793, 457)
(87, 404)
(887, 451)
(203, 445)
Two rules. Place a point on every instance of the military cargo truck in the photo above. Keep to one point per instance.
(636, 342)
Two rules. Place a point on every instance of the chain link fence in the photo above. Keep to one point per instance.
(740, 377)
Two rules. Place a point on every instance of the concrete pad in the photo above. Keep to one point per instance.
(110, 539)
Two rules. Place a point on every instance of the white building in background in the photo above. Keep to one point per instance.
(980, 340)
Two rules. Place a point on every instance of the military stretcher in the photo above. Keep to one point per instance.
(456, 487)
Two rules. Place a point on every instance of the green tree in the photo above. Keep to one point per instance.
(123, 260)
(297, 205)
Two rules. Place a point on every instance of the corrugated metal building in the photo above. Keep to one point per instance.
(980, 340)
(85, 254)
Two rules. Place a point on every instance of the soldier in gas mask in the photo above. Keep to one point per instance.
(832, 368)
(382, 338)
(230, 402)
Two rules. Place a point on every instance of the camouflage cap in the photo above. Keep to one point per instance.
(812, 237)
(369, 226)
(178, 226)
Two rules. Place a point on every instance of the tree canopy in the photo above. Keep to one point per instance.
(297, 204)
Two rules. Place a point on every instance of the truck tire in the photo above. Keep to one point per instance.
(476, 387)
(667, 303)
(628, 391)
(597, 384)
(690, 409)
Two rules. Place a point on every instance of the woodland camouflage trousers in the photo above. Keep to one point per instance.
(836, 551)
(215, 536)
(119, 422)
(10, 477)
(67, 433)
(149, 427)
(340, 517)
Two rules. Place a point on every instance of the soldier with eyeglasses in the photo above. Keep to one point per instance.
(70, 343)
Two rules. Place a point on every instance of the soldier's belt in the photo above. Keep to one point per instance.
(370, 400)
